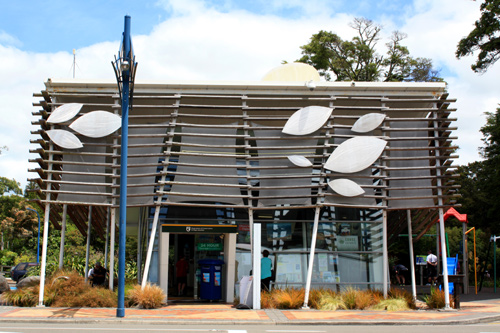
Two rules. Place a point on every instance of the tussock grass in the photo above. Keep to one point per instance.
(25, 297)
(397, 293)
(289, 298)
(392, 304)
(332, 302)
(436, 299)
(151, 297)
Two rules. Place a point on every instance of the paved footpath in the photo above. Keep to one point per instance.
(471, 312)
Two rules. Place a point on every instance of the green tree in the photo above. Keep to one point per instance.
(480, 181)
(485, 38)
(358, 60)
(9, 186)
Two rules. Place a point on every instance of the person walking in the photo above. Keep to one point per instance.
(181, 268)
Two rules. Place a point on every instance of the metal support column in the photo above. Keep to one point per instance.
(412, 256)
(87, 253)
(311, 257)
(63, 236)
(441, 212)
(256, 265)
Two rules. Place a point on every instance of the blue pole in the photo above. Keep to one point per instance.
(120, 311)
(38, 241)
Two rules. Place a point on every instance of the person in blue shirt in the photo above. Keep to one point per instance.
(266, 266)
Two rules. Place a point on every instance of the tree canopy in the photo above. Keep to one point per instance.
(485, 38)
(480, 180)
(358, 60)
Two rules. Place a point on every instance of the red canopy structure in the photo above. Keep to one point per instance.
(452, 212)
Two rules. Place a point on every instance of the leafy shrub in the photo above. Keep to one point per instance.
(24, 258)
(7, 258)
(151, 297)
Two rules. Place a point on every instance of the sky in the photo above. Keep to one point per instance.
(231, 40)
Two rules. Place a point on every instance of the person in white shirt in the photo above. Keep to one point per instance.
(432, 272)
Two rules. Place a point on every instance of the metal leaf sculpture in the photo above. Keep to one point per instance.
(64, 113)
(346, 187)
(368, 122)
(300, 161)
(64, 139)
(355, 154)
(96, 124)
(307, 120)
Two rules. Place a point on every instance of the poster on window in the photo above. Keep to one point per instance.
(288, 268)
(347, 243)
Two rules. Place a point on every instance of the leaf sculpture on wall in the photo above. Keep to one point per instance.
(355, 154)
(64, 139)
(368, 122)
(307, 120)
(64, 113)
(299, 160)
(346, 187)
(96, 124)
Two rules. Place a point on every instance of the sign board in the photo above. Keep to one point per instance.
(200, 228)
(209, 246)
(421, 260)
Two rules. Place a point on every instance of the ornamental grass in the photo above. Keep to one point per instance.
(151, 297)
(436, 299)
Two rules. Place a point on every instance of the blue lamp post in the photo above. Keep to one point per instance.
(38, 241)
(124, 67)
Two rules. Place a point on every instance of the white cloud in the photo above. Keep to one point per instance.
(7, 39)
(200, 42)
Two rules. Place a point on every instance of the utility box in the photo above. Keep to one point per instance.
(211, 279)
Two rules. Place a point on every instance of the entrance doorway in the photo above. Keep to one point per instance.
(196, 242)
(193, 247)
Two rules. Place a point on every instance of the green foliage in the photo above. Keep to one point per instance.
(9, 186)
(483, 38)
(7, 258)
(480, 181)
(358, 60)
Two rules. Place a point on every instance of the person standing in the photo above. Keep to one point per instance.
(432, 272)
(266, 266)
(181, 268)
